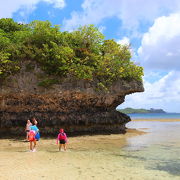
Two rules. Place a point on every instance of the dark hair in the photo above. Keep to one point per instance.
(33, 123)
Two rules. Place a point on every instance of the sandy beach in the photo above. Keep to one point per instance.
(88, 157)
(83, 159)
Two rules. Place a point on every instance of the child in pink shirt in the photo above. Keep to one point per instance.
(62, 139)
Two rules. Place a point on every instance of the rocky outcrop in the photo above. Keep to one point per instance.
(73, 105)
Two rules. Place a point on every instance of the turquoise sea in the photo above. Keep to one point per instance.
(155, 115)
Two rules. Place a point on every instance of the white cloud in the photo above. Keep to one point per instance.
(160, 53)
(56, 3)
(130, 12)
(124, 41)
(152, 76)
(8, 7)
(102, 28)
(164, 93)
(160, 48)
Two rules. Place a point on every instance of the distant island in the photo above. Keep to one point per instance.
(131, 110)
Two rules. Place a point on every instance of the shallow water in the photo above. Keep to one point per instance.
(160, 148)
(150, 156)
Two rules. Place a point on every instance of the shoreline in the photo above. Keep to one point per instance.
(129, 132)
(75, 143)
(135, 132)
(160, 120)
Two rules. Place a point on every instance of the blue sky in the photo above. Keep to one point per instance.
(151, 27)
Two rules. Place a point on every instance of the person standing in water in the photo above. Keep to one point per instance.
(27, 129)
(62, 140)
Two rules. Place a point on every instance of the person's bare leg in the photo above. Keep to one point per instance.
(34, 148)
(64, 146)
(27, 136)
(31, 148)
(60, 147)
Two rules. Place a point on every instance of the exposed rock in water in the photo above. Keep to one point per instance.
(73, 105)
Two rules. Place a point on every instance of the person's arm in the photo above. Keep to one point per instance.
(26, 127)
(66, 137)
(36, 129)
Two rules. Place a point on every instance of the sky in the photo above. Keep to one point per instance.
(152, 27)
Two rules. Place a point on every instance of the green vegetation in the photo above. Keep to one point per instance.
(47, 82)
(131, 110)
(81, 54)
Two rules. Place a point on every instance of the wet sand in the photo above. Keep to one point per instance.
(85, 158)
(98, 157)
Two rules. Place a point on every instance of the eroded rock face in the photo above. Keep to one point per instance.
(70, 104)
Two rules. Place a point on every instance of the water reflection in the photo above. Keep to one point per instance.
(159, 149)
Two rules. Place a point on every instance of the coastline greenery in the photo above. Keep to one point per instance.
(132, 110)
(83, 53)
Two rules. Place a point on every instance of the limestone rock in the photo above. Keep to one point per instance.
(71, 104)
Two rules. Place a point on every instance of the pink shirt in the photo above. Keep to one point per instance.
(59, 137)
